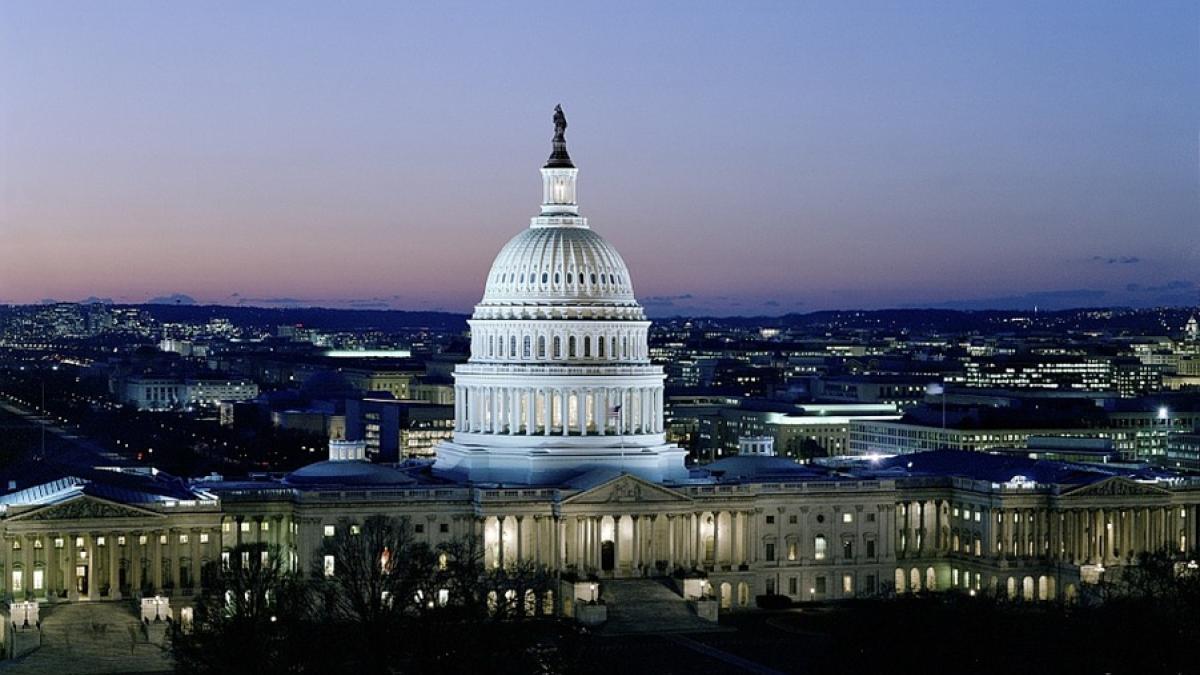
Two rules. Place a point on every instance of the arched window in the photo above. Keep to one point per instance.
(545, 277)
(512, 347)
(581, 278)
(612, 346)
(624, 346)
(820, 547)
(587, 346)
(541, 347)
(528, 346)
(600, 346)
(593, 278)
(571, 347)
(491, 351)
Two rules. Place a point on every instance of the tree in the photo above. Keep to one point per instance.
(253, 618)
(380, 578)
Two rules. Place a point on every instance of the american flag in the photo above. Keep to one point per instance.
(614, 412)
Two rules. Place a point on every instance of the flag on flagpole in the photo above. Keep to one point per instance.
(614, 412)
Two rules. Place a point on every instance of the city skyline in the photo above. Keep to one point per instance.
(271, 157)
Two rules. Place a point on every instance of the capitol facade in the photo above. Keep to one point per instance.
(559, 459)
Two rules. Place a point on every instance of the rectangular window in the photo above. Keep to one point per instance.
(203, 537)
(264, 526)
(792, 520)
(444, 528)
(225, 526)
(770, 586)
(870, 517)
(419, 528)
(770, 520)
(225, 559)
(99, 541)
(18, 582)
(38, 576)
(819, 548)
(58, 542)
(870, 548)
(162, 539)
(263, 558)
(329, 530)
(183, 539)
(848, 549)
(870, 585)
(770, 552)
(819, 586)
(354, 529)
(791, 550)
(245, 558)
(121, 540)
(848, 584)
(328, 566)
(245, 526)
(792, 586)
(847, 517)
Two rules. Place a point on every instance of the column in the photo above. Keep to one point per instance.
(716, 539)
(670, 543)
(520, 539)
(734, 560)
(52, 567)
(114, 579)
(636, 530)
(617, 542)
(500, 541)
(597, 541)
(697, 542)
(547, 411)
(90, 543)
(538, 523)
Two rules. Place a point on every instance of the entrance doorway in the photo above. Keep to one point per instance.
(607, 556)
(81, 579)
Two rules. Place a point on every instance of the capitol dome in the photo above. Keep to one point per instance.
(559, 381)
(559, 267)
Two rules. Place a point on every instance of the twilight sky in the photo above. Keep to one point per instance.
(745, 158)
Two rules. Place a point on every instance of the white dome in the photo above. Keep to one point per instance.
(559, 381)
(566, 265)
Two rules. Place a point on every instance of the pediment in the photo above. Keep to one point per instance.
(86, 508)
(628, 490)
(1117, 487)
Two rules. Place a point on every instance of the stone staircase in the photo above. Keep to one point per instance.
(91, 637)
(639, 606)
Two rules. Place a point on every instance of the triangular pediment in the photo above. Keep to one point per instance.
(1117, 487)
(629, 490)
(86, 508)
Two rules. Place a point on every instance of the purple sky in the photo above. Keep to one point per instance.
(745, 158)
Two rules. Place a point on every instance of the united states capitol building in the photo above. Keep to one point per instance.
(559, 457)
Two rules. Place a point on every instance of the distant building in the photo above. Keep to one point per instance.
(172, 393)
(396, 430)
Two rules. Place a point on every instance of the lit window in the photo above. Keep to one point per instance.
(16, 544)
(354, 529)
(18, 580)
(37, 543)
(820, 545)
(38, 576)
(245, 526)
(183, 539)
(847, 517)
(264, 526)
(263, 557)
(328, 566)
(329, 530)
(848, 583)
(225, 558)
(58, 542)
(203, 537)
(225, 526)
(162, 539)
